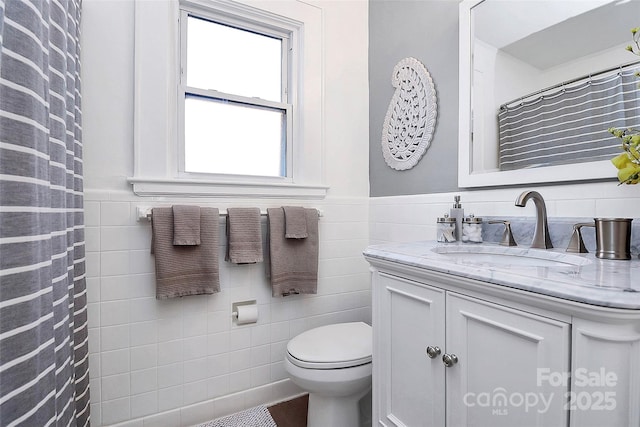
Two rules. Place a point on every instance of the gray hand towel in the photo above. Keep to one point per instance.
(293, 262)
(244, 236)
(185, 270)
(186, 225)
(295, 222)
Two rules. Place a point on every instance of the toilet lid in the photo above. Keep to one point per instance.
(332, 346)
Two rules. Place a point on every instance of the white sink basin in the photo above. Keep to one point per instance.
(502, 256)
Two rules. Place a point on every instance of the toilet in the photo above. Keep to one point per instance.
(332, 363)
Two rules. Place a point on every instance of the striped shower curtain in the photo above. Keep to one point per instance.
(570, 124)
(44, 379)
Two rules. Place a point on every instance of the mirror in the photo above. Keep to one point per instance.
(514, 51)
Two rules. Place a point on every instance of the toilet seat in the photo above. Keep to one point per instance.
(337, 346)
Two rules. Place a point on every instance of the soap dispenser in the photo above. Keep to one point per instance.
(458, 213)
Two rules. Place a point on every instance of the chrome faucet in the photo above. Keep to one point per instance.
(541, 238)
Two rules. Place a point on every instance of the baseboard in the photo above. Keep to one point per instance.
(269, 395)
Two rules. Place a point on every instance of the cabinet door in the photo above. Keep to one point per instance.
(502, 355)
(606, 375)
(410, 386)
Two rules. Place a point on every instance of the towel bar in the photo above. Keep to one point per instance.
(144, 213)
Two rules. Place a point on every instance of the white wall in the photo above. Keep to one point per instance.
(497, 78)
(182, 361)
(410, 218)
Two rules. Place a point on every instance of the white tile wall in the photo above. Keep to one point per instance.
(120, 269)
(410, 218)
(183, 361)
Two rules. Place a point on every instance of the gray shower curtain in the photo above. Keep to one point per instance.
(569, 124)
(44, 378)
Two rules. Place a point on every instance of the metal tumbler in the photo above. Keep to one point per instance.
(613, 238)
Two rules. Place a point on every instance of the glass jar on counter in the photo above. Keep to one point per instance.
(446, 229)
(472, 229)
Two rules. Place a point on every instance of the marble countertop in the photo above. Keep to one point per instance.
(584, 278)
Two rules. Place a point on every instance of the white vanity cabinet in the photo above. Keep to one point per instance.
(499, 351)
(606, 379)
(409, 386)
(527, 345)
(445, 359)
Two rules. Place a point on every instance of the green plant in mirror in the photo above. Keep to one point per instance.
(628, 162)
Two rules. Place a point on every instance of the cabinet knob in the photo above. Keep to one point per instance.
(449, 360)
(433, 351)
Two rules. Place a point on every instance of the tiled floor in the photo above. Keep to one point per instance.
(292, 413)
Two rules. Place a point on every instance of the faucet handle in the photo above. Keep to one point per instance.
(576, 244)
(507, 236)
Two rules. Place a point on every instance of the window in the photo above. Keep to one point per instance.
(241, 118)
(234, 79)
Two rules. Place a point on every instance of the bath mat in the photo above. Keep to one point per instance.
(254, 417)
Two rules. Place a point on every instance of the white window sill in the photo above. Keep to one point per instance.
(199, 188)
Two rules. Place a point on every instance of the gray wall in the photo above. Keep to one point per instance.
(428, 31)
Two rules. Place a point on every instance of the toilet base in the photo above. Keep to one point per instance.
(334, 411)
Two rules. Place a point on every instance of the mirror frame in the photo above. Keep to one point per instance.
(599, 170)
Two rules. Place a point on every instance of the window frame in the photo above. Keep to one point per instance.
(155, 107)
(288, 38)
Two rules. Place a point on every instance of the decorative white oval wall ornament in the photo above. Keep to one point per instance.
(411, 116)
